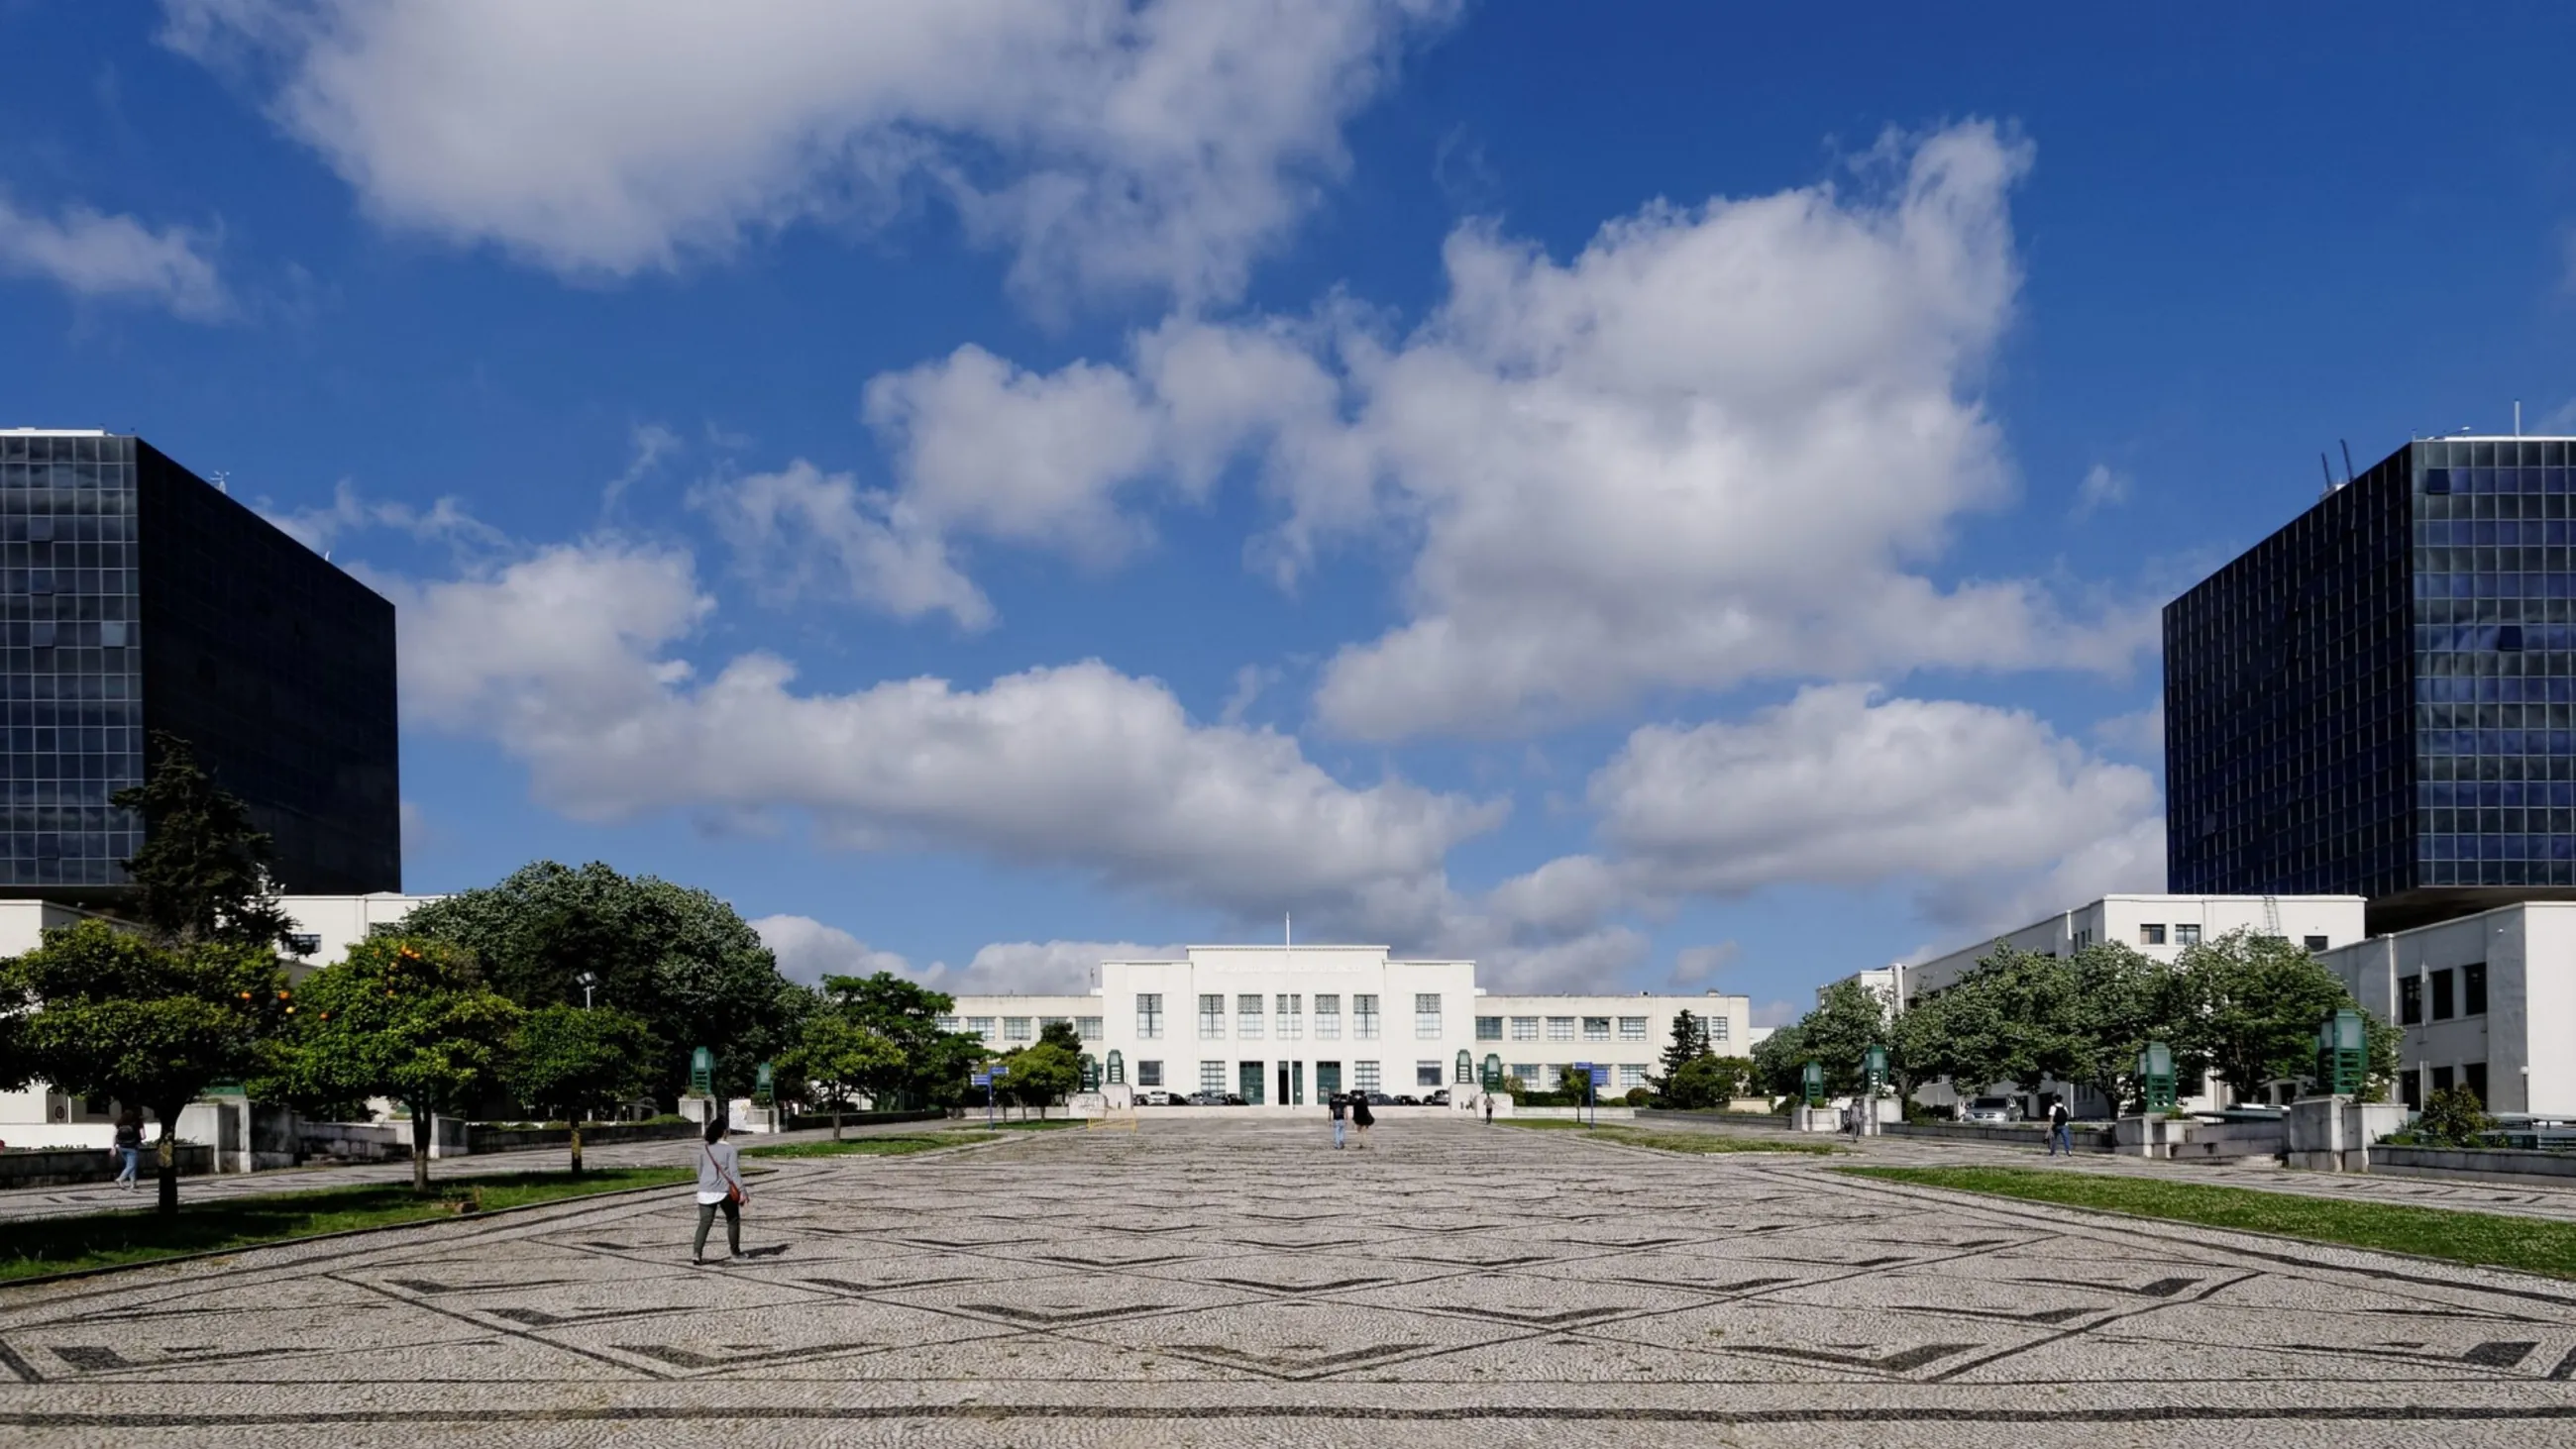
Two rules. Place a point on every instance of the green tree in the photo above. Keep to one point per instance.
(1706, 1082)
(404, 1017)
(2255, 1002)
(577, 1063)
(935, 1062)
(1780, 1059)
(1041, 1074)
(1849, 1018)
(837, 1057)
(1689, 1043)
(1062, 1033)
(678, 957)
(203, 872)
(102, 1012)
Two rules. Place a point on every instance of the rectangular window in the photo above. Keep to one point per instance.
(1087, 1028)
(1560, 1028)
(2314, 944)
(1718, 1027)
(1596, 1028)
(1149, 1015)
(2442, 999)
(1632, 1074)
(2151, 935)
(2441, 1079)
(1016, 1028)
(1047, 1021)
(2187, 935)
(2083, 938)
(1149, 1074)
(1524, 1028)
(1291, 1015)
(2410, 1089)
(1364, 1018)
(2473, 991)
(1426, 1074)
(2410, 1000)
(1212, 1077)
(1328, 1016)
(1632, 1028)
(1528, 1074)
(1247, 1016)
(1212, 1019)
(1364, 1076)
(1426, 1016)
(944, 1023)
(2476, 1072)
(979, 1026)
(1489, 1028)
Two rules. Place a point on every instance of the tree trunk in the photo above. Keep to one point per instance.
(419, 1149)
(168, 1173)
(836, 1121)
(576, 1146)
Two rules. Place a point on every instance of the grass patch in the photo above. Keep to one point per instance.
(1698, 1143)
(38, 1246)
(890, 1145)
(1043, 1124)
(2528, 1245)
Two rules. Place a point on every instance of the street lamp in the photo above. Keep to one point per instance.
(586, 981)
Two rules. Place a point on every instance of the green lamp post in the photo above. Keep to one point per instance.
(1812, 1079)
(2343, 1052)
(2156, 1077)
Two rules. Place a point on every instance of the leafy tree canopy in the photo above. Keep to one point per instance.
(838, 1058)
(1042, 1074)
(935, 1063)
(680, 958)
(1706, 1082)
(578, 1064)
(403, 1017)
(203, 872)
(104, 1012)
(2255, 1002)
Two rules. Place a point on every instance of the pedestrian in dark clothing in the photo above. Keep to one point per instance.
(129, 1146)
(2060, 1137)
(1362, 1118)
(1341, 1107)
(719, 1186)
(1489, 1109)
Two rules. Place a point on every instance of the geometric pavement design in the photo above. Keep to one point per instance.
(1235, 1281)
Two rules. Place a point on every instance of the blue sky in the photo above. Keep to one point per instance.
(1641, 498)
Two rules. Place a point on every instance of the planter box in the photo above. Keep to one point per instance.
(63, 1166)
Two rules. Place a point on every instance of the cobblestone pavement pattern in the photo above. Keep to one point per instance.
(1240, 1283)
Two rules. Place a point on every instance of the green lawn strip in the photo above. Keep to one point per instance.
(35, 1247)
(1042, 1124)
(890, 1145)
(1703, 1143)
(2529, 1245)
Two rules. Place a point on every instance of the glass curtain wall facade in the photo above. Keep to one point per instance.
(134, 597)
(2376, 699)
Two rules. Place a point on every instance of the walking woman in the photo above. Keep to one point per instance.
(129, 1145)
(719, 1186)
(1362, 1119)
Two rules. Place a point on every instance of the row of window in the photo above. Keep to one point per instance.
(1284, 1018)
(1365, 1077)
(2463, 988)
(2412, 1085)
(1022, 1028)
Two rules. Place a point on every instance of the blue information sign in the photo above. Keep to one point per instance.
(982, 1079)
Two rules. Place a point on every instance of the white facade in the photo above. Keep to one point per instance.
(39, 1116)
(2485, 1001)
(1289, 1025)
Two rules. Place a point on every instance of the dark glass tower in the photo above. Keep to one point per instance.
(2377, 699)
(135, 596)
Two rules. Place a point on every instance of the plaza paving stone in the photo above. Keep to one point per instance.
(1234, 1281)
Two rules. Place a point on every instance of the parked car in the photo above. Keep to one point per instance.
(1990, 1109)
(1437, 1099)
(1404, 1100)
(1206, 1099)
(1379, 1099)
(1233, 1100)
(1153, 1097)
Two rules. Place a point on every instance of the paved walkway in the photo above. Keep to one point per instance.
(92, 1197)
(1239, 1283)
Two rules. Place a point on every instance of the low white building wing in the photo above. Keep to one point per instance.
(1291, 1025)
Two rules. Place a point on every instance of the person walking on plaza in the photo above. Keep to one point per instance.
(719, 1186)
(1361, 1117)
(2060, 1139)
(1489, 1109)
(129, 1145)
(1340, 1107)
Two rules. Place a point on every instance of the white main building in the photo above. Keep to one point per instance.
(1290, 1025)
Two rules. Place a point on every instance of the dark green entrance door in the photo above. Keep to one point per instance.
(1328, 1078)
(1247, 1082)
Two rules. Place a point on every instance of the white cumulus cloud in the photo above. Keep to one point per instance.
(1106, 145)
(91, 254)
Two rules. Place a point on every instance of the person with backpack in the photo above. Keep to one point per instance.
(2060, 1137)
(719, 1186)
(1341, 1106)
(129, 1146)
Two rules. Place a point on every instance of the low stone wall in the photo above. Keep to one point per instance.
(808, 1121)
(2508, 1163)
(480, 1139)
(64, 1166)
(354, 1141)
(1566, 1114)
(2032, 1135)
